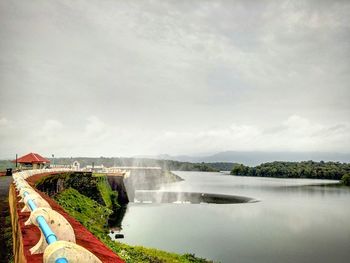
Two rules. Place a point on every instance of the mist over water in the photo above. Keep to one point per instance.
(295, 220)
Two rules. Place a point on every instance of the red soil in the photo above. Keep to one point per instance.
(84, 238)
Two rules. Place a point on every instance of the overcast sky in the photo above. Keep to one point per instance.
(123, 78)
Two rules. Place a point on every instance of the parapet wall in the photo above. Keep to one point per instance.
(16, 229)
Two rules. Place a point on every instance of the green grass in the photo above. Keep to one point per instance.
(8, 238)
(109, 196)
(6, 232)
(94, 217)
(133, 254)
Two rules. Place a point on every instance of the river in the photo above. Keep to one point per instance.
(294, 220)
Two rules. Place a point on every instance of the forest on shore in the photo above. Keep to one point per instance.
(306, 169)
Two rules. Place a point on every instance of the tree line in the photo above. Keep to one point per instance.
(306, 169)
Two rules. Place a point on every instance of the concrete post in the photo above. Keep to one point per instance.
(72, 252)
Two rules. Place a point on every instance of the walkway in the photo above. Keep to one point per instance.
(5, 181)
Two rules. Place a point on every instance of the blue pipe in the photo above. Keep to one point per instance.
(31, 204)
(49, 235)
(61, 260)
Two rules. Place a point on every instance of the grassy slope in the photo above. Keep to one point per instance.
(8, 238)
(94, 217)
(87, 211)
(109, 196)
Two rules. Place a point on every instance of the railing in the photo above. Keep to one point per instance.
(57, 240)
(50, 236)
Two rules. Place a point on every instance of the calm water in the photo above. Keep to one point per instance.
(295, 221)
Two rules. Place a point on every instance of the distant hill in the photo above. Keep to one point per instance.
(255, 157)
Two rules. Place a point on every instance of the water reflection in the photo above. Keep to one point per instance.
(116, 218)
(146, 196)
(115, 222)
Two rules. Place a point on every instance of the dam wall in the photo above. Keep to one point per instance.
(117, 184)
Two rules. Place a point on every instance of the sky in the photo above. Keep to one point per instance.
(124, 78)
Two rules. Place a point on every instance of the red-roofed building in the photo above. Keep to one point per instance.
(32, 161)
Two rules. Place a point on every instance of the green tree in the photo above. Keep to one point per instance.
(308, 169)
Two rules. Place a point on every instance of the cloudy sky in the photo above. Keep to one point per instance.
(123, 78)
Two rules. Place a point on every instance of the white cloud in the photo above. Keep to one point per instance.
(3, 121)
(97, 138)
(51, 126)
(95, 128)
(294, 134)
(134, 77)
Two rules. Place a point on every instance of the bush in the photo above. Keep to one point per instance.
(346, 179)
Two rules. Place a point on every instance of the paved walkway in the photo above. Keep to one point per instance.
(5, 181)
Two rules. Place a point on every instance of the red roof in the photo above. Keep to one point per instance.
(32, 158)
